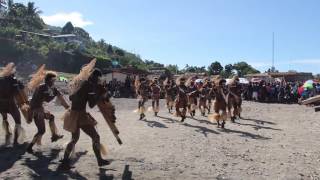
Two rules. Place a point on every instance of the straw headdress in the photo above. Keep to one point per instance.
(166, 81)
(84, 75)
(8, 70)
(137, 82)
(217, 80)
(180, 78)
(190, 79)
(234, 80)
(37, 78)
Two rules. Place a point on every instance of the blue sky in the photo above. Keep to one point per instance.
(198, 32)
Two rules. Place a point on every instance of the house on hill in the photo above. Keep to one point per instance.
(63, 38)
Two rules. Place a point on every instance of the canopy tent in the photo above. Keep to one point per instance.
(308, 84)
(243, 81)
(256, 80)
(278, 80)
(199, 80)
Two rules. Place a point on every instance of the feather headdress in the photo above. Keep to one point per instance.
(217, 80)
(180, 78)
(190, 79)
(37, 78)
(166, 81)
(8, 70)
(137, 82)
(84, 75)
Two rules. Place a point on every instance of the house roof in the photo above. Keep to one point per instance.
(64, 36)
(289, 73)
(38, 34)
(257, 75)
(279, 74)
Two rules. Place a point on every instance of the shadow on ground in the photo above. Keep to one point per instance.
(205, 131)
(257, 127)
(41, 170)
(10, 155)
(245, 134)
(258, 121)
(154, 124)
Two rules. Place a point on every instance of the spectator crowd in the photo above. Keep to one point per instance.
(279, 92)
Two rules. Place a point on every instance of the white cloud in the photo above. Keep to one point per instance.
(60, 19)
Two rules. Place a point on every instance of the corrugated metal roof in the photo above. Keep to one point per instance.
(64, 35)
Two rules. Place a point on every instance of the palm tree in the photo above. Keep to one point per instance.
(2, 4)
(32, 11)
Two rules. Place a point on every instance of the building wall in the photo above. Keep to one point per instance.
(289, 77)
(116, 75)
(301, 78)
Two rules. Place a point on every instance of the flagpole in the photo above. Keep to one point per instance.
(273, 68)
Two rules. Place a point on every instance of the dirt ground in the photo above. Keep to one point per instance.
(272, 141)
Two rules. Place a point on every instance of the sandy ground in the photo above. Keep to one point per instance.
(273, 141)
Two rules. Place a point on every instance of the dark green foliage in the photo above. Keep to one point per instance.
(66, 57)
(194, 69)
(153, 64)
(215, 68)
(244, 68)
(228, 70)
(174, 69)
(23, 17)
(110, 50)
(119, 52)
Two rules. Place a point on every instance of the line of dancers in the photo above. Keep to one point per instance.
(85, 88)
(187, 95)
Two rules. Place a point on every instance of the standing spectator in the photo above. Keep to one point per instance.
(255, 90)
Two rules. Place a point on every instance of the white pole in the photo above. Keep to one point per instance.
(273, 68)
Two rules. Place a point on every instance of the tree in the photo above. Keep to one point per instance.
(68, 28)
(202, 69)
(228, 70)
(215, 68)
(17, 11)
(120, 52)
(102, 45)
(32, 11)
(10, 5)
(174, 69)
(153, 64)
(244, 68)
(109, 50)
(33, 17)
